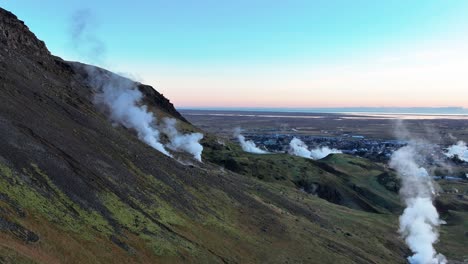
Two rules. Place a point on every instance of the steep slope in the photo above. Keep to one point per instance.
(74, 188)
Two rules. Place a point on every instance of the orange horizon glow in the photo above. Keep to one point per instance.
(201, 104)
(433, 77)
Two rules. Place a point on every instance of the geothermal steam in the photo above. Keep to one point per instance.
(420, 221)
(247, 145)
(83, 37)
(186, 142)
(460, 150)
(123, 101)
(122, 98)
(298, 148)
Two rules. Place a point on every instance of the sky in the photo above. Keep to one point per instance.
(247, 53)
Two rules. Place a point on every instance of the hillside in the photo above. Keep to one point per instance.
(341, 179)
(76, 188)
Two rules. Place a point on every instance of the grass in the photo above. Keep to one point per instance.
(339, 178)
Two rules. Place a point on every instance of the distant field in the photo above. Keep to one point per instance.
(437, 128)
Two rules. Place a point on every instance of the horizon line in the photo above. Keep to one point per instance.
(453, 108)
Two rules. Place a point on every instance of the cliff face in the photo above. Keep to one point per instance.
(76, 189)
(15, 36)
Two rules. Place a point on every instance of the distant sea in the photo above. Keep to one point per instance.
(346, 110)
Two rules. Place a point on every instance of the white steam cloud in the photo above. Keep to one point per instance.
(298, 148)
(248, 145)
(121, 97)
(186, 142)
(420, 221)
(460, 149)
(123, 102)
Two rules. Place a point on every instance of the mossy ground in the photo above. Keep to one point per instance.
(228, 229)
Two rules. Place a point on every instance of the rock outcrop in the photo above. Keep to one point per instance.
(15, 36)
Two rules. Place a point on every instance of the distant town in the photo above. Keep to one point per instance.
(374, 149)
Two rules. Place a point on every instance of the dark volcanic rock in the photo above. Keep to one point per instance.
(153, 97)
(16, 36)
(18, 231)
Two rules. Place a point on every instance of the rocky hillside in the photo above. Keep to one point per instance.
(74, 188)
(16, 37)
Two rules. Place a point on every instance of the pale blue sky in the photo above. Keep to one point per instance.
(240, 49)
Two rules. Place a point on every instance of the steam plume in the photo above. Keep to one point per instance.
(460, 149)
(83, 37)
(185, 142)
(123, 101)
(120, 96)
(247, 145)
(298, 148)
(420, 221)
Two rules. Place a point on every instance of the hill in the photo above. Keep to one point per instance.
(76, 188)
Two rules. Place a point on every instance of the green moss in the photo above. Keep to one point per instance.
(139, 224)
(224, 227)
(222, 218)
(166, 213)
(5, 171)
(147, 179)
(169, 215)
(160, 246)
(55, 208)
(127, 216)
